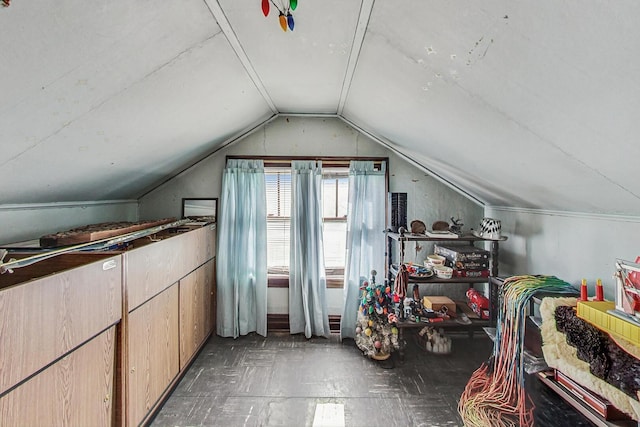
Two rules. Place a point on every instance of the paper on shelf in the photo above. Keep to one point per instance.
(441, 234)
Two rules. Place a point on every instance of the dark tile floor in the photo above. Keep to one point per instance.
(280, 380)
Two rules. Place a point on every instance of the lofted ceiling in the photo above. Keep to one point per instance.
(521, 104)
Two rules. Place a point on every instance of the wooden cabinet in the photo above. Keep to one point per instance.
(153, 359)
(76, 390)
(169, 286)
(57, 340)
(196, 301)
(150, 267)
(100, 338)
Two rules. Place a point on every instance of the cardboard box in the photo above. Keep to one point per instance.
(462, 253)
(468, 265)
(470, 273)
(435, 303)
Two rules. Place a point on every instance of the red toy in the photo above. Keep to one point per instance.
(478, 303)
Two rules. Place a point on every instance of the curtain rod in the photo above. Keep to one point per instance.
(327, 160)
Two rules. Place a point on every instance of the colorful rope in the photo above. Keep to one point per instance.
(495, 394)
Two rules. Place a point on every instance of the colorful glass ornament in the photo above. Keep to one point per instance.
(290, 21)
(286, 20)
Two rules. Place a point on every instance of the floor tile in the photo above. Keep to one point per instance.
(280, 380)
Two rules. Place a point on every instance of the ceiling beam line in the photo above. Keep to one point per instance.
(61, 205)
(225, 26)
(356, 47)
(399, 153)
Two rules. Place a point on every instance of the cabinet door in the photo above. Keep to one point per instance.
(77, 390)
(42, 320)
(150, 269)
(196, 294)
(153, 352)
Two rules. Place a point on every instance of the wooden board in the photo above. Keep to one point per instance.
(93, 232)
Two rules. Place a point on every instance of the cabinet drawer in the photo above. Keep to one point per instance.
(151, 269)
(77, 390)
(199, 247)
(43, 319)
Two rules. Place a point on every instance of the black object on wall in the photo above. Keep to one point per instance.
(398, 211)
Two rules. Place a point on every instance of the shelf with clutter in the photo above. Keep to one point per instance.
(385, 311)
(428, 296)
(456, 259)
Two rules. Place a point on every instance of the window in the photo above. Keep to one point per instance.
(335, 186)
(278, 183)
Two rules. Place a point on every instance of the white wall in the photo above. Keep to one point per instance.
(428, 199)
(28, 222)
(570, 246)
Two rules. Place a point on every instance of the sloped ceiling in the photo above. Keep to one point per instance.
(522, 104)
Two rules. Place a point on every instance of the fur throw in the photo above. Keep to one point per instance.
(562, 356)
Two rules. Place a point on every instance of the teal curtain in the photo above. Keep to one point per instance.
(242, 250)
(307, 277)
(365, 237)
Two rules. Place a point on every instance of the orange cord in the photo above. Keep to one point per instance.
(497, 397)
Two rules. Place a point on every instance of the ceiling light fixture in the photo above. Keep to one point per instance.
(285, 17)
